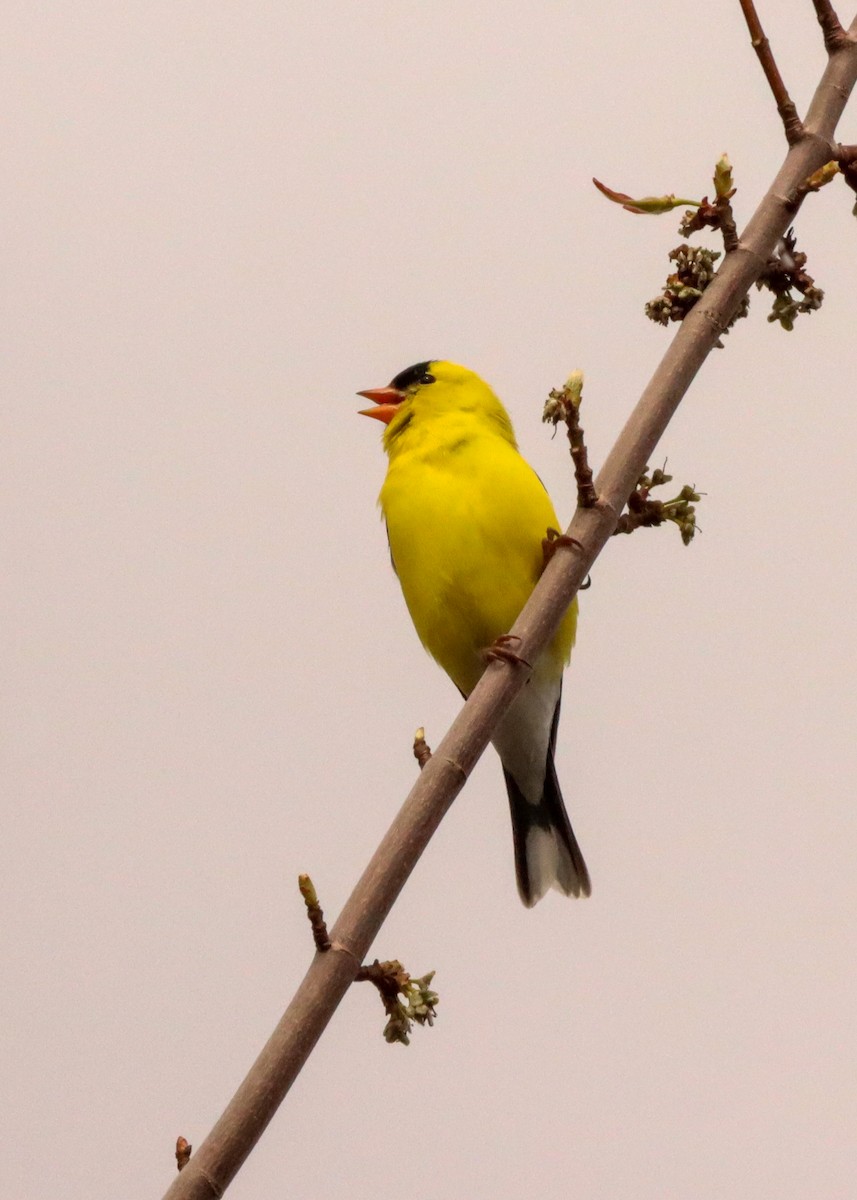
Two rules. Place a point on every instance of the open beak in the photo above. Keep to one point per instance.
(386, 401)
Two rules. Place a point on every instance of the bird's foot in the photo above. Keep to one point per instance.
(499, 651)
(553, 541)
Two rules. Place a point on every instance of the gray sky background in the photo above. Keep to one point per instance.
(220, 221)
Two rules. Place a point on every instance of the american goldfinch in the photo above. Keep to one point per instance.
(466, 516)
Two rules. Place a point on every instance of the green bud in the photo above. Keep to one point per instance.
(723, 184)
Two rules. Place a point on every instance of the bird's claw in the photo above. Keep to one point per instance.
(554, 540)
(499, 651)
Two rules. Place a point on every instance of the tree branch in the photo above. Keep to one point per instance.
(785, 105)
(220, 1156)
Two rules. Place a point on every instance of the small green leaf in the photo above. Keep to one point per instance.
(649, 205)
(822, 176)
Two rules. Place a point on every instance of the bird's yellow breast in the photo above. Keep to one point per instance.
(466, 516)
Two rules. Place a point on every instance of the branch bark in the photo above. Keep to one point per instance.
(221, 1155)
(834, 34)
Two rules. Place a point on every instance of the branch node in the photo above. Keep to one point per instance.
(456, 766)
(341, 948)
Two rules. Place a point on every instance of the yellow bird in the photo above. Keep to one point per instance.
(466, 516)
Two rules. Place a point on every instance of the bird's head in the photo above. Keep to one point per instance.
(434, 390)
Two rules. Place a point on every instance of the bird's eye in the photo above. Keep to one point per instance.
(427, 378)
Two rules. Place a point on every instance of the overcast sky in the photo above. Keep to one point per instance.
(220, 221)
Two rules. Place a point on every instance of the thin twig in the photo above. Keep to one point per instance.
(834, 34)
(723, 205)
(563, 404)
(785, 105)
(314, 913)
(586, 495)
(727, 225)
(422, 750)
(329, 976)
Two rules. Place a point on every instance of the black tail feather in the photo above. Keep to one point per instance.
(533, 823)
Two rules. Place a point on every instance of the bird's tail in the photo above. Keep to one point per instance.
(546, 850)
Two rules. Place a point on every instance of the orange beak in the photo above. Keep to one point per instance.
(386, 400)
